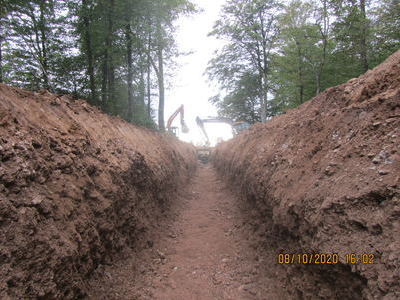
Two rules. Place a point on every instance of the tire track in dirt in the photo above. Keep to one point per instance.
(206, 252)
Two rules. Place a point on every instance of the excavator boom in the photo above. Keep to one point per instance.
(200, 123)
(237, 127)
(180, 111)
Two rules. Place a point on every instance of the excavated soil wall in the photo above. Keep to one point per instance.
(76, 188)
(325, 178)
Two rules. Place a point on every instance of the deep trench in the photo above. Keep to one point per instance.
(94, 207)
(215, 245)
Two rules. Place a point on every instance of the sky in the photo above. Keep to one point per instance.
(189, 86)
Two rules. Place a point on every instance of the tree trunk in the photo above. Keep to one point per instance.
(264, 96)
(104, 75)
(107, 84)
(324, 33)
(264, 107)
(363, 42)
(300, 72)
(1, 60)
(318, 80)
(149, 79)
(129, 78)
(142, 89)
(160, 76)
(110, 71)
(89, 52)
(161, 90)
(1, 45)
(148, 90)
(44, 58)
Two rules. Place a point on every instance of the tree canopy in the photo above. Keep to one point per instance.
(279, 54)
(111, 52)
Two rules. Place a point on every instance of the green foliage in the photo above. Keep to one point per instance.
(319, 44)
(242, 103)
(385, 30)
(100, 50)
(251, 31)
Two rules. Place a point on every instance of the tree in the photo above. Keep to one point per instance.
(385, 29)
(319, 44)
(86, 15)
(303, 49)
(251, 28)
(35, 44)
(164, 47)
(352, 33)
(242, 103)
(3, 13)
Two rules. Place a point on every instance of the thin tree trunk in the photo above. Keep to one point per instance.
(129, 78)
(107, 69)
(363, 42)
(1, 45)
(1, 60)
(318, 79)
(44, 57)
(89, 52)
(111, 85)
(301, 91)
(161, 90)
(148, 91)
(300, 73)
(160, 77)
(109, 42)
(104, 75)
(142, 88)
(324, 33)
(149, 79)
(264, 96)
(264, 106)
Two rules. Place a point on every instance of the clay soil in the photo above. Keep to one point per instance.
(78, 188)
(206, 251)
(325, 179)
(93, 207)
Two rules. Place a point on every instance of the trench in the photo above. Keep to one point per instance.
(214, 245)
(205, 251)
(94, 207)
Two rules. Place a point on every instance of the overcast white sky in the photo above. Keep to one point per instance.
(190, 87)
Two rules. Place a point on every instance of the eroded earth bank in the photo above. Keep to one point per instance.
(77, 189)
(93, 207)
(325, 178)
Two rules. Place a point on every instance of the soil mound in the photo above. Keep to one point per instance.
(76, 188)
(325, 178)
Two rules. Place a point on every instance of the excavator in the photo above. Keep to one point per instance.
(174, 130)
(204, 152)
(237, 127)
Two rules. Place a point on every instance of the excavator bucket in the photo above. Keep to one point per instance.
(185, 128)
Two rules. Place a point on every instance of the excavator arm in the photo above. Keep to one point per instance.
(180, 111)
(203, 152)
(237, 127)
(200, 123)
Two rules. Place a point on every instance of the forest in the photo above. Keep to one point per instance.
(118, 53)
(114, 53)
(98, 199)
(280, 54)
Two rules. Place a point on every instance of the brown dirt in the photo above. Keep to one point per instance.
(206, 252)
(77, 189)
(93, 207)
(325, 178)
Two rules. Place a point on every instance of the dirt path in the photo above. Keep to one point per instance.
(207, 252)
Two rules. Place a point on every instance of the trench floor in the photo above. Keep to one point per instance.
(206, 251)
